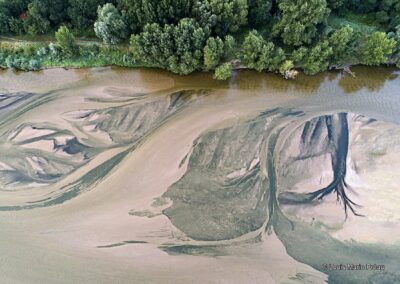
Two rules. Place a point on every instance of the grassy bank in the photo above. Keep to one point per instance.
(195, 35)
(32, 54)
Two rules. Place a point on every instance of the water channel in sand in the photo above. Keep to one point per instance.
(115, 175)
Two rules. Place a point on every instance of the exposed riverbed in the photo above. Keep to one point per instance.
(131, 176)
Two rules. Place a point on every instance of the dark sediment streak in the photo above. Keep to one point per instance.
(338, 137)
(204, 199)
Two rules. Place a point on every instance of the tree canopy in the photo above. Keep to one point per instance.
(376, 49)
(178, 48)
(139, 13)
(83, 13)
(66, 41)
(259, 12)
(110, 25)
(299, 20)
(221, 16)
(188, 35)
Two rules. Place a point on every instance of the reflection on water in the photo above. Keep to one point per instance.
(143, 159)
(372, 79)
(367, 78)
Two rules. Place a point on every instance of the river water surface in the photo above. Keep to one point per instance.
(139, 176)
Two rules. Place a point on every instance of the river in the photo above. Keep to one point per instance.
(113, 175)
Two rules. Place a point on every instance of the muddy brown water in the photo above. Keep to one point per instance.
(139, 175)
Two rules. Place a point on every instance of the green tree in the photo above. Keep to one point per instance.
(56, 11)
(4, 20)
(385, 11)
(376, 49)
(37, 23)
(16, 26)
(298, 20)
(335, 4)
(259, 12)
(252, 50)
(394, 15)
(217, 50)
(286, 69)
(395, 58)
(286, 66)
(34, 65)
(221, 16)
(43, 14)
(223, 72)
(178, 48)
(298, 55)
(363, 6)
(153, 45)
(10, 13)
(83, 13)
(261, 55)
(66, 41)
(189, 40)
(110, 25)
(229, 46)
(276, 60)
(142, 12)
(340, 41)
(317, 58)
(14, 8)
(213, 52)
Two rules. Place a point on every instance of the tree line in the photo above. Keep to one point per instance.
(188, 35)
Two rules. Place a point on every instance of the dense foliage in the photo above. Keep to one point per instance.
(221, 16)
(111, 26)
(188, 35)
(223, 72)
(66, 41)
(139, 13)
(261, 55)
(299, 20)
(178, 48)
(83, 13)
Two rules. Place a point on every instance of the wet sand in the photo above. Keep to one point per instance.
(114, 142)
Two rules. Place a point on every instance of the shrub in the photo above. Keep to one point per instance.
(223, 72)
(55, 51)
(110, 25)
(34, 64)
(377, 48)
(66, 41)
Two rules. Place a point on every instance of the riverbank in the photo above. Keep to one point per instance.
(28, 55)
(116, 57)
